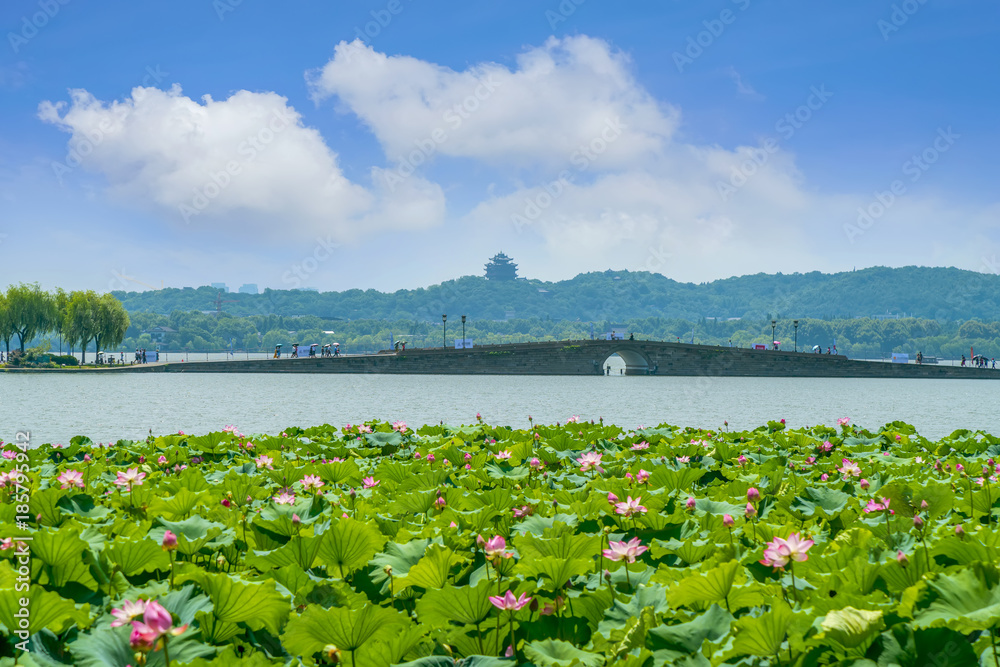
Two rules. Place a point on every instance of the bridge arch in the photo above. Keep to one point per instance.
(636, 363)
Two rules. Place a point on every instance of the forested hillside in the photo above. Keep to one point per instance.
(943, 294)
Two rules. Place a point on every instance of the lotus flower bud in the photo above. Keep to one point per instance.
(169, 541)
(923, 504)
(917, 521)
(430, 458)
(689, 503)
(468, 456)
(86, 457)
(480, 542)
(353, 494)
(864, 484)
(612, 498)
(750, 512)
(727, 520)
(440, 502)
(607, 575)
(902, 559)
(960, 531)
(225, 502)
(388, 570)
(533, 605)
(753, 494)
(824, 477)
(296, 520)
(416, 455)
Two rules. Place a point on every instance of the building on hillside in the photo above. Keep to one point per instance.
(248, 288)
(501, 267)
(158, 333)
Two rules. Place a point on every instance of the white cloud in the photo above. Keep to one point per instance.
(247, 163)
(559, 97)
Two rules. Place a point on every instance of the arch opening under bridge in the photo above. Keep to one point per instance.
(635, 363)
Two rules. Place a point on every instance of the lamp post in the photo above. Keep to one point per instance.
(463, 332)
(444, 331)
(774, 323)
(795, 325)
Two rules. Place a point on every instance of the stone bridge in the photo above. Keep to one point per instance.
(584, 357)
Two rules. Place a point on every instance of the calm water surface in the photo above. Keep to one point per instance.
(108, 407)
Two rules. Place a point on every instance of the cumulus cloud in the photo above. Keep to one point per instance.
(247, 162)
(558, 98)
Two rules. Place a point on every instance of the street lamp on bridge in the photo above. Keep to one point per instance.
(795, 325)
(444, 331)
(774, 323)
(463, 332)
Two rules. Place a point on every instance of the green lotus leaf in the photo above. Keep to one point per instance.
(134, 556)
(464, 605)
(185, 603)
(82, 505)
(45, 610)
(46, 503)
(902, 646)
(347, 629)
(688, 637)
(257, 604)
(763, 635)
(349, 545)
(827, 503)
(178, 506)
(653, 596)
(711, 586)
(850, 629)
(966, 601)
(555, 653)
(433, 570)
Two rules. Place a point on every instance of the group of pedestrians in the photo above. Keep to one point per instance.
(980, 361)
(140, 356)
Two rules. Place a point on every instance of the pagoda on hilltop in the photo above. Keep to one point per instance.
(501, 267)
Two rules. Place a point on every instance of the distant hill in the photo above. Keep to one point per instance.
(944, 294)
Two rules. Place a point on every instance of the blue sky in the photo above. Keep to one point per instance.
(577, 136)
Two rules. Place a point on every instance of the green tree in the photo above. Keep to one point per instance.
(31, 310)
(6, 325)
(98, 318)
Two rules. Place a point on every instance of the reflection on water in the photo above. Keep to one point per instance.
(108, 407)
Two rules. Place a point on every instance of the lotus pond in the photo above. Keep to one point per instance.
(483, 546)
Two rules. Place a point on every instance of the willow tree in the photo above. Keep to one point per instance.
(6, 325)
(31, 310)
(94, 317)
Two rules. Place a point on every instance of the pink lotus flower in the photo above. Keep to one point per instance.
(742, 460)
(399, 426)
(468, 456)
(780, 551)
(849, 469)
(417, 455)
(727, 520)
(494, 546)
(70, 478)
(902, 559)
(753, 495)
(826, 446)
(503, 455)
(630, 507)
(612, 498)
(873, 506)
(264, 461)
(523, 511)
(627, 551)
(9, 454)
(639, 446)
(364, 428)
(156, 624)
(683, 459)
(535, 463)
(285, 498)
(440, 502)
(370, 482)
(960, 531)
(590, 461)
(508, 602)
(573, 420)
(843, 421)
(169, 541)
(750, 512)
(689, 503)
(917, 521)
(430, 458)
(161, 460)
(128, 611)
(824, 477)
(864, 484)
(642, 476)
(310, 482)
(129, 478)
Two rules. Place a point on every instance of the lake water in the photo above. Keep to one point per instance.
(56, 407)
